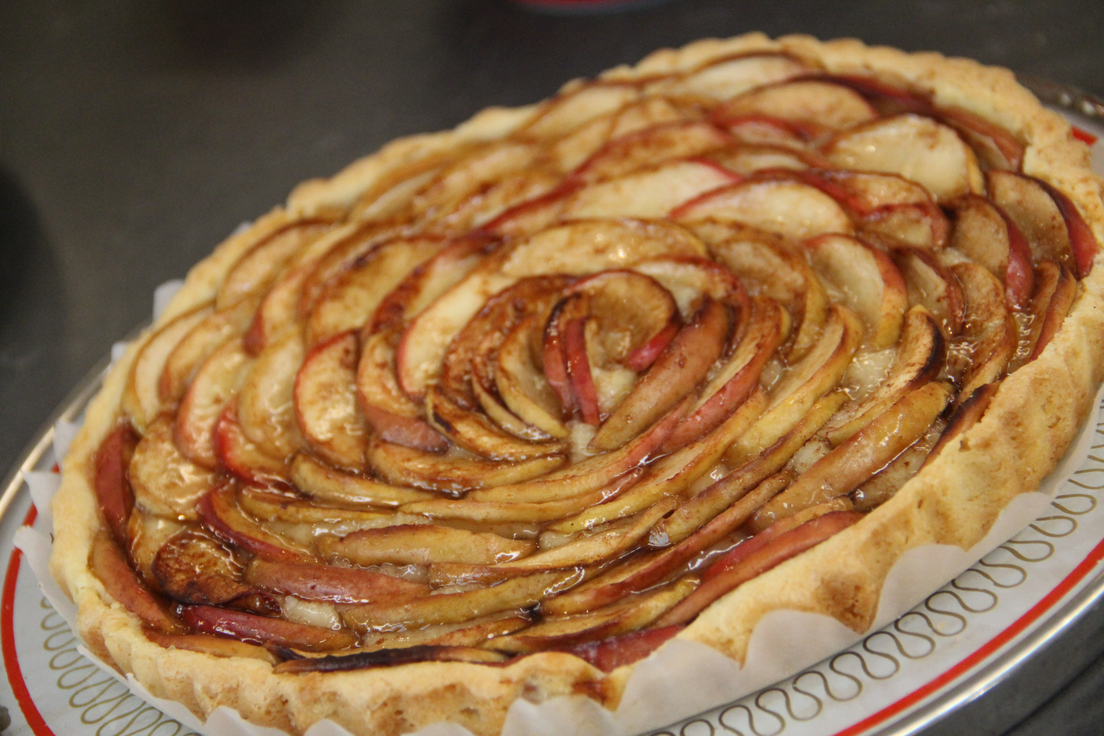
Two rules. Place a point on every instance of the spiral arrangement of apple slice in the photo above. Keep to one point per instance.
(565, 388)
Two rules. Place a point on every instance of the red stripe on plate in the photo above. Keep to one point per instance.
(7, 641)
(1015, 629)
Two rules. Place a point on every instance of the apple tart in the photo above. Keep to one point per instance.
(495, 412)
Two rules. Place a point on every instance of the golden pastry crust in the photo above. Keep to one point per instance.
(954, 500)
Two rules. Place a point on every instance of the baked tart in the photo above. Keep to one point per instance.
(493, 413)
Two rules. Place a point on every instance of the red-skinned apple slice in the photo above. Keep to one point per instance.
(386, 196)
(577, 362)
(777, 551)
(249, 627)
(164, 481)
(915, 147)
(814, 102)
(749, 159)
(240, 457)
(267, 504)
(990, 238)
(141, 398)
(487, 203)
(216, 382)
(257, 269)
(208, 335)
(1027, 203)
(645, 148)
(392, 414)
(860, 456)
(618, 651)
(331, 486)
(650, 193)
(684, 363)
(475, 433)
(1083, 242)
(424, 544)
(452, 473)
(317, 582)
(352, 296)
(220, 513)
(932, 285)
(266, 399)
(110, 566)
(768, 130)
(1057, 288)
(567, 112)
(326, 402)
(522, 385)
(990, 328)
(343, 249)
(868, 281)
(783, 206)
(113, 490)
(195, 567)
(725, 78)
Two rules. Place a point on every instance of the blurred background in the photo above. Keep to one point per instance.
(134, 136)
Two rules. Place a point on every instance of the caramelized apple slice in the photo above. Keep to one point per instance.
(444, 608)
(770, 555)
(649, 146)
(684, 364)
(316, 582)
(989, 327)
(967, 414)
(1057, 288)
(392, 415)
(932, 285)
(423, 544)
(650, 193)
(453, 473)
(389, 657)
(212, 645)
(989, 238)
(113, 490)
(574, 108)
(141, 398)
(618, 651)
(220, 513)
(817, 103)
(915, 147)
(861, 455)
(524, 388)
(1029, 205)
(266, 401)
(121, 583)
(146, 535)
(352, 296)
(195, 567)
(783, 206)
(343, 249)
(475, 433)
(867, 281)
(1083, 242)
(164, 481)
(331, 486)
(208, 335)
(259, 267)
(249, 627)
(215, 383)
(240, 457)
(326, 403)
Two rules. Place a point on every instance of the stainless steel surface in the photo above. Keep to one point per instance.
(134, 135)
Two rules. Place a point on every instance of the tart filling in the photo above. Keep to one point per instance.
(719, 334)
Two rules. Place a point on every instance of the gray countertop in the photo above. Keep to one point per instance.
(135, 135)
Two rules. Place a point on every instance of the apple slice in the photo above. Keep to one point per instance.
(330, 486)
(249, 627)
(685, 363)
(485, 164)
(390, 657)
(783, 206)
(860, 456)
(195, 567)
(423, 544)
(240, 457)
(645, 148)
(575, 107)
(392, 415)
(867, 280)
(1083, 241)
(390, 190)
(452, 473)
(748, 159)
(778, 550)
(1028, 204)
(932, 285)
(524, 388)
(884, 484)
(650, 193)
(1057, 288)
(212, 645)
(284, 507)
(966, 414)
(990, 238)
(617, 651)
(351, 297)
(722, 79)
(443, 608)
(918, 148)
(487, 203)
(164, 481)
(475, 433)
(216, 382)
(220, 513)
(259, 267)
(317, 582)
(811, 378)
(213, 331)
(990, 328)
(141, 399)
(465, 634)
(266, 399)
(107, 563)
(816, 103)
(146, 534)
(113, 490)
(343, 249)
(326, 402)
